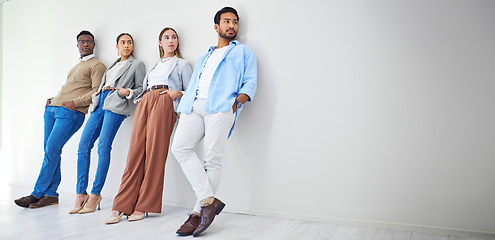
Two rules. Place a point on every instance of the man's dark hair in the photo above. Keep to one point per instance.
(222, 11)
(84, 32)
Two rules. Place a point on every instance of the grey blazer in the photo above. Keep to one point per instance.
(130, 76)
(178, 78)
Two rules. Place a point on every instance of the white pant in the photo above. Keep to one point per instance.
(204, 176)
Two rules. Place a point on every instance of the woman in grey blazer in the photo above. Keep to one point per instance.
(120, 83)
(141, 188)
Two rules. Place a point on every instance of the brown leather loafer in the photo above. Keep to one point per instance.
(44, 201)
(208, 214)
(189, 226)
(25, 201)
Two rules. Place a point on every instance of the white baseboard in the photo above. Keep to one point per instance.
(460, 232)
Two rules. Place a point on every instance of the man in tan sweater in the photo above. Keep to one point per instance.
(64, 115)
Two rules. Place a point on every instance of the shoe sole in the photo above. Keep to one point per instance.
(43, 205)
(24, 206)
(21, 205)
(114, 222)
(184, 234)
(216, 213)
(135, 219)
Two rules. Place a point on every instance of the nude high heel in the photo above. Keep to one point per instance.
(77, 209)
(135, 217)
(112, 220)
(90, 210)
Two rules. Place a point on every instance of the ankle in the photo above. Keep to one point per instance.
(81, 196)
(93, 196)
(207, 201)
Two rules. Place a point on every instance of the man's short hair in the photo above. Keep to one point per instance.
(222, 11)
(84, 32)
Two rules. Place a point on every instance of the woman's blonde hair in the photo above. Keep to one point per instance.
(177, 50)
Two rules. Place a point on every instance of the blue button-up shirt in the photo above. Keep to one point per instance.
(236, 74)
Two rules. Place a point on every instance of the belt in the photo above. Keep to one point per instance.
(154, 87)
(107, 88)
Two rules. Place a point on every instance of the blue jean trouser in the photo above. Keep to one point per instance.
(102, 124)
(60, 124)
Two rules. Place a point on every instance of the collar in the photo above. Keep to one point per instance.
(86, 58)
(130, 59)
(233, 42)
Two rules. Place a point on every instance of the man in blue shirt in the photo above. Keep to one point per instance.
(223, 80)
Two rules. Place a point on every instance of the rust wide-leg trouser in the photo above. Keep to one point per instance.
(141, 188)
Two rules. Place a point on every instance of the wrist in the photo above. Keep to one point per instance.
(239, 100)
(239, 104)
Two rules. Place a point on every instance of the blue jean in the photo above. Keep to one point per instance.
(102, 124)
(60, 124)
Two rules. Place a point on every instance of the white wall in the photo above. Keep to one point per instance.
(368, 111)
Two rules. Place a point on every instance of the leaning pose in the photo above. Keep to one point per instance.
(122, 81)
(141, 188)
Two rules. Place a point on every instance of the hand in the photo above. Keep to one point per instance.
(234, 107)
(69, 105)
(48, 102)
(123, 91)
(242, 98)
(173, 94)
(93, 95)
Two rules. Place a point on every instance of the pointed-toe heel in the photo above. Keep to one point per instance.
(112, 220)
(90, 210)
(135, 217)
(77, 209)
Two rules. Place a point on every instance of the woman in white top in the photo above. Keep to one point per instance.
(141, 188)
(121, 82)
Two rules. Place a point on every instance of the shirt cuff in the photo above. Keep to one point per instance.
(130, 94)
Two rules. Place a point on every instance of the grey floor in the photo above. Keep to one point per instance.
(54, 222)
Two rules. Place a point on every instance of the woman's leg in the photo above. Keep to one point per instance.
(126, 198)
(88, 137)
(160, 125)
(90, 133)
(110, 126)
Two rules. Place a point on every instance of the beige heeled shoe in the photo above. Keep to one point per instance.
(135, 217)
(90, 210)
(77, 209)
(112, 220)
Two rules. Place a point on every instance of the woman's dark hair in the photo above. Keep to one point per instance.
(124, 34)
(222, 11)
(84, 32)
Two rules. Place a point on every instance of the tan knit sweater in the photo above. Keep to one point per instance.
(82, 81)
